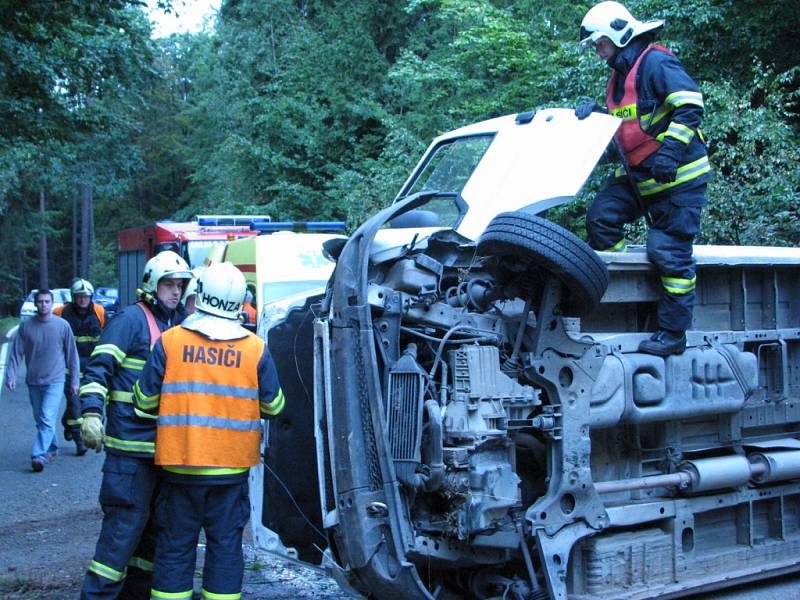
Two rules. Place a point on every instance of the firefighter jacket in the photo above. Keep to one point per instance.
(113, 368)
(86, 328)
(661, 108)
(209, 396)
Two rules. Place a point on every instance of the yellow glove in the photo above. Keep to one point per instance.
(92, 431)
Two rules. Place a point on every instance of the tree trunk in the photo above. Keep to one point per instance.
(86, 224)
(75, 234)
(43, 274)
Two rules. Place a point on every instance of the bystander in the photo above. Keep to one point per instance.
(48, 347)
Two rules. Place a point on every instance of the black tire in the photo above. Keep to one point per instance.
(547, 248)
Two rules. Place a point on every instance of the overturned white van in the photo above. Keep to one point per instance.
(478, 423)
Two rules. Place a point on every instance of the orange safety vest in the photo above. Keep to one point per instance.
(209, 413)
(636, 144)
(250, 311)
(99, 312)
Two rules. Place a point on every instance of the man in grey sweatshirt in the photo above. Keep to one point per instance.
(48, 347)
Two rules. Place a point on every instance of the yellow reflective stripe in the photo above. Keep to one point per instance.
(676, 285)
(274, 407)
(154, 593)
(140, 563)
(626, 112)
(106, 571)
(137, 364)
(129, 445)
(93, 388)
(677, 99)
(650, 119)
(142, 401)
(111, 349)
(206, 470)
(204, 593)
(86, 338)
(684, 174)
(677, 131)
(620, 246)
(74, 421)
(127, 398)
(117, 396)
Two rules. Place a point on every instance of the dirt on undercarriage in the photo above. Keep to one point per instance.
(49, 523)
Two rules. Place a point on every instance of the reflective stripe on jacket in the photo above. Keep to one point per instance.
(86, 328)
(631, 135)
(114, 366)
(209, 411)
(662, 109)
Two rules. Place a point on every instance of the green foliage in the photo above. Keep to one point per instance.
(755, 196)
(319, 109)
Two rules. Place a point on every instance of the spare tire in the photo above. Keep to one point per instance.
(547, 248)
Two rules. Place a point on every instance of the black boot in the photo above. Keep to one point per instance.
(664, 343)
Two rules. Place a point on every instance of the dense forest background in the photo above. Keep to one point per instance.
(317, 109)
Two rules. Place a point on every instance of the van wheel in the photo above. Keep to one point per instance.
(528, 248)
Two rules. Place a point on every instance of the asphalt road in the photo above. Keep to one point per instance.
(49, 524)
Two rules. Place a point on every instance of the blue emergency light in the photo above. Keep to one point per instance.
(231, 220)
(300, 226)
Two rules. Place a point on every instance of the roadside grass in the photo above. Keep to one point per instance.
(7, 323)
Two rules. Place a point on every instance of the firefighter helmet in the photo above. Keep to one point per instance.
(220, 291)
(615, 22)
(81, 286)
(164, 265)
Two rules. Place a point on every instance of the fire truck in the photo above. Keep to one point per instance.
(193, 240)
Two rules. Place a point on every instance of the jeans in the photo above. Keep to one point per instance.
(45, 400)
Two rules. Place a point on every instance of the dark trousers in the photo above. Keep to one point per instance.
(182, 510)
(675, 216)
(70, 420)
(123, 560)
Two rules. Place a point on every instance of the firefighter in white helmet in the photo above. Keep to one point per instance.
(666, 169)
(122, 562)
(209, 382)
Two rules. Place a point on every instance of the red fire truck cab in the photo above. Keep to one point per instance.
(193, 240)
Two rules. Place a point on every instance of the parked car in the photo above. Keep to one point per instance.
(480, 421)
(60, 296)
(108, 298)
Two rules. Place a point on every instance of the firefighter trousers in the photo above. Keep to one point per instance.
(675, 216)
(182, 510)
(123, 560)
(71, 419)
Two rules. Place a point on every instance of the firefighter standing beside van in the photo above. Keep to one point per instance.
(122, 565)
(209, 381)
(86, 319)
(664, 153)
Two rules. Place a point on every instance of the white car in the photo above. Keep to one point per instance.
(60, 296)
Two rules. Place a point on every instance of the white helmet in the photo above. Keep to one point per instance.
(220, 291)
(164, 265)
(191, 287)
(81, 286)
(614, 21)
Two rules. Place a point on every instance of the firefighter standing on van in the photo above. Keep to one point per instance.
(661, 108)
(86, 319)
(210, 381)
(122, 564)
